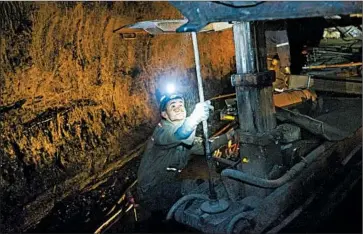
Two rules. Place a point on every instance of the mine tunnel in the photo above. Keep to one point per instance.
(81, 88)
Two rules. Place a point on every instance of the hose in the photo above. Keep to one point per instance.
(182, 200)
(259, 182)
(264, 183)
(233, 222)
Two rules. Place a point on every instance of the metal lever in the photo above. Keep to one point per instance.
(213, 205)
(208, 152)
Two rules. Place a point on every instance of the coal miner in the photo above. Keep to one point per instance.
(168, 152)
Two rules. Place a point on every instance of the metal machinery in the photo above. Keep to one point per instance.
(287, 155)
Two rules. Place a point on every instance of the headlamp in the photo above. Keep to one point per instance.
(170, 88)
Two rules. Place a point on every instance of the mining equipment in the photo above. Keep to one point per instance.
(292, 145)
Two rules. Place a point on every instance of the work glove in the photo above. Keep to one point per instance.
(200, 113)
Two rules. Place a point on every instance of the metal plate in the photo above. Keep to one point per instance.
(200, 14)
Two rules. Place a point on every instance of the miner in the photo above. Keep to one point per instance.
(168, 151)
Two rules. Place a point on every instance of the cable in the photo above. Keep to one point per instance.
(275, 183)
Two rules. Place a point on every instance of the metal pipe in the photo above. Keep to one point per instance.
(245, 62)
(213, 194)
(223, 96)
(226, 128)
(264, 183)
(334, 65)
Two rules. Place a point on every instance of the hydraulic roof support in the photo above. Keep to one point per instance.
(252, 96)
(256, 111)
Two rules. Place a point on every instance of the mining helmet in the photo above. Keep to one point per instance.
(166, 98)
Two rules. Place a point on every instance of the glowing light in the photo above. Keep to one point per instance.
(170, 88)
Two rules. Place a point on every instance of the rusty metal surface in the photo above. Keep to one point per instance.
(200, 14)
(293, 97)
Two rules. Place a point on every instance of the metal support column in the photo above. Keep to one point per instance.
(256, 111)
(255, 104)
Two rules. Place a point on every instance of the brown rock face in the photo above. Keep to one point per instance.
(76, 97)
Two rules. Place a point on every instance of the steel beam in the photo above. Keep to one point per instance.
(202, 13)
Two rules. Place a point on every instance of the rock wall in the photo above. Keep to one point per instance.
(76, 97)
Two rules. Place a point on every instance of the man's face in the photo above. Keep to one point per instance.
(175, 110)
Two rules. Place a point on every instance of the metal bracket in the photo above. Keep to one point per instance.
(256, 139)
(253, 79)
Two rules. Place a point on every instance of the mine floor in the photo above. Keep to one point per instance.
(84, 214)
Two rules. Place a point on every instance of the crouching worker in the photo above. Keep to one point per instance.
(168, 151)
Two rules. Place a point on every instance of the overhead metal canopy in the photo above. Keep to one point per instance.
(200, 14)
(168, 26)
